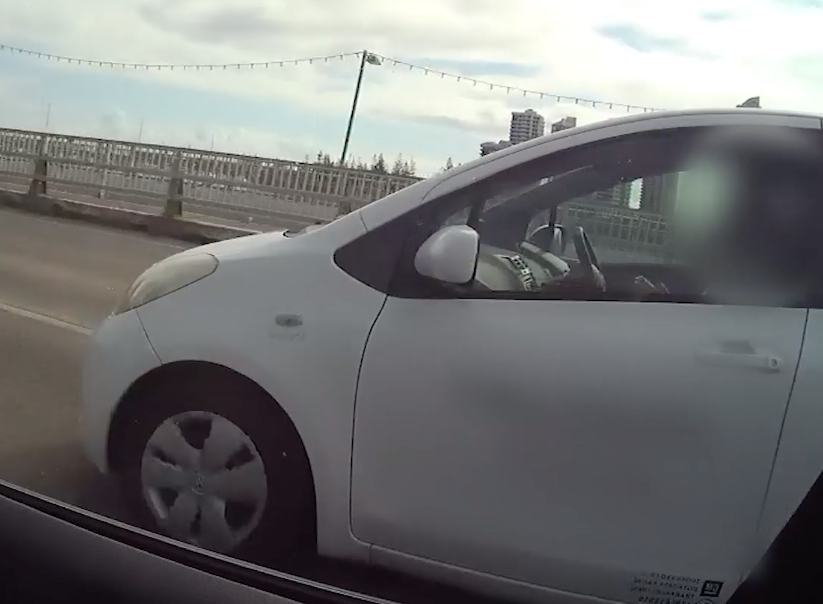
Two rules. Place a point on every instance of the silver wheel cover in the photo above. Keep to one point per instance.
(204, 480)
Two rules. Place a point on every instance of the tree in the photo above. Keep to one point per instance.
(398, 167)
(403, 167)
(449, 164)
(379, 164)
(324, 159)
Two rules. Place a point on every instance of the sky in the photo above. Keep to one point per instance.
(674, 54)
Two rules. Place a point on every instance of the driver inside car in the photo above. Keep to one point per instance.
(547, 242)
(769, 189)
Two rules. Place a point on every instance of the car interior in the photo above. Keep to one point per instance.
(54, 552)
(560, 259)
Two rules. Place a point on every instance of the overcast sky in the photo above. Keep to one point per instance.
(670, 54)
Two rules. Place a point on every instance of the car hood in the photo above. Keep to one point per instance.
(246, 244)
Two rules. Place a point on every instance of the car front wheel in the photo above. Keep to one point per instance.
(218, 465)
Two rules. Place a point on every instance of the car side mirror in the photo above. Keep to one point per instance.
(450, 255)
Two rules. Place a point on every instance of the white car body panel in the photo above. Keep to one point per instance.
(800, 458)
(551, 465)
(619, 479)
(208, 321)
(119, 354)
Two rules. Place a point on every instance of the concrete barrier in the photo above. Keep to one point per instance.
(130, 220)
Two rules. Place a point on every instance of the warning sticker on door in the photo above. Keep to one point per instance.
(661, 588)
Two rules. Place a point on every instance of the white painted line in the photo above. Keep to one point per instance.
(36, 316)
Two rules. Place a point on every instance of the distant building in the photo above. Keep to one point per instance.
(658, 194)
(753, 102)
(491, 147)
(618, 196)
(526, 125)
(564, 124)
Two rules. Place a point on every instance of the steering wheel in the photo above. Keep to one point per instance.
(536, 254)
(589, 265)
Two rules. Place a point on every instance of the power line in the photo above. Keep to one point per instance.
(492, 86)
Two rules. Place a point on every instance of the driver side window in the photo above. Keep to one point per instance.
(624, 220)
(553, 233)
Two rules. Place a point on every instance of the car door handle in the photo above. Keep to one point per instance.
(740, 355)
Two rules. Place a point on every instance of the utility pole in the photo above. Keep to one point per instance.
(140, 131)
(366, 57)
(48, 115)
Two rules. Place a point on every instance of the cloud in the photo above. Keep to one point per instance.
(803, 4)
(643, 41)
(717, 15)
(223, 24)
(640, 52)
(479, 69)
(114, 124)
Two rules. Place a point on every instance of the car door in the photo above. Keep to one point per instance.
(606, 446)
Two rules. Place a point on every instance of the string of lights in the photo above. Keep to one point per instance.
(172, 66)
(372, 58)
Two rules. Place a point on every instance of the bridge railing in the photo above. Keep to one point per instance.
(280, 188)
(632, 233)
(304, 191)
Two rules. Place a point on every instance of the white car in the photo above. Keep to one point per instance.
(415, 386)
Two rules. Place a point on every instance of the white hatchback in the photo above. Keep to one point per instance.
(509, 377)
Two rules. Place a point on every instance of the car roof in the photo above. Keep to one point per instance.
(650, 116)
(402, 201)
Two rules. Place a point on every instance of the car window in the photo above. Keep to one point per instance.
(653, 210)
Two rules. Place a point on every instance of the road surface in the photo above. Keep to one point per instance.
(58, 280)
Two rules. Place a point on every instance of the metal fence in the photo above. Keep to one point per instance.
(281, 189)
(622, 234)
(304, 191)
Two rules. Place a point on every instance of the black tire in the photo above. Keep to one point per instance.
(286, 530)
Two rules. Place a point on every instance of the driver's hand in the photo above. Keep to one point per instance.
(644, 286)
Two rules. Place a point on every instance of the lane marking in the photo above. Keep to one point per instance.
(36, 316)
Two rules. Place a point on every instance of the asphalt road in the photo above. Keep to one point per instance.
(58, 280)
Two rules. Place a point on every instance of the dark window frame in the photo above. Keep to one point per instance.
(384, 258)
(407, 283)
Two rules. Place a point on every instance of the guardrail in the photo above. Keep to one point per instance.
(281, 189)
(175, 175)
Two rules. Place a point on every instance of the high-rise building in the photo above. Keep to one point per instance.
(658, 194)
(526, 125)
(564, 124)
(753, 102)
(491, 147)
(619, 195)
